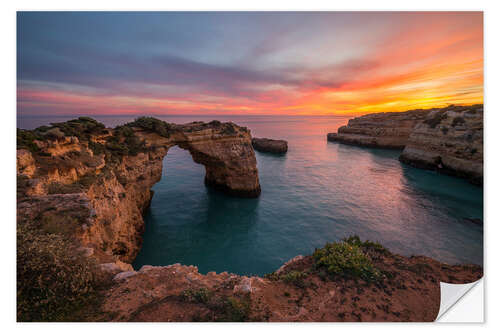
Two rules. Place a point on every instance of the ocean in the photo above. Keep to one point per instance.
(318, 192)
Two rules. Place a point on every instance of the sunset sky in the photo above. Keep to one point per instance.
(246, 63)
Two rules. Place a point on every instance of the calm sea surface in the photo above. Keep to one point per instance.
(318, 192)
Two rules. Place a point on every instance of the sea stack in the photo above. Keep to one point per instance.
(270, 145)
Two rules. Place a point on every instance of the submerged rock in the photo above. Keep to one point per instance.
(270, 145)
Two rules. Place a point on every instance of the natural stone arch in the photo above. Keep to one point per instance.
(229, 159)
(118, 177)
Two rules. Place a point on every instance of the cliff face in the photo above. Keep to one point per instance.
(104, 176)
(449, 140)
(384, 130)
(91, 185)
(298, 291)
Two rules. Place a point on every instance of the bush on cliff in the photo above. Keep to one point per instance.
(125, 142)
(82, 127)
(54, 282)
(295, 277)
(25, 140)
(152, 124)
(346, 259)
(223, 308)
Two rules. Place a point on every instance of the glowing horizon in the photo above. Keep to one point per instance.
(246, 63)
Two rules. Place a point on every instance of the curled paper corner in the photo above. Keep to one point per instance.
(455, 303)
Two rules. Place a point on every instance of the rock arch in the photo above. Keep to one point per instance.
(118, 189)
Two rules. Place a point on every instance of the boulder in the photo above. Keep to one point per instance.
(270, 145)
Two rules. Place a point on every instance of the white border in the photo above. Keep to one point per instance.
(492, 138)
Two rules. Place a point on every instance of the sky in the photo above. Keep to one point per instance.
(248, 63)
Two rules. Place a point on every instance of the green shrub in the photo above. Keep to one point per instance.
(201, 295)
(366, 245)
(54, 283)
(235, 310)
(54, 134)
(224, 308)
(294, 277)
(346, 259)
(271, 276)
(152, 124)
(25, 140)
(97, 148)
(82, 127)
(125, 142)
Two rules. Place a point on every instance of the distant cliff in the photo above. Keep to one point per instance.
(383, 130)
(449, 140)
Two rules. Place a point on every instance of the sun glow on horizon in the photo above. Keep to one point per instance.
(332, 64)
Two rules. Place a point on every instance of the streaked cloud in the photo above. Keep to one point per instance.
(250, 63)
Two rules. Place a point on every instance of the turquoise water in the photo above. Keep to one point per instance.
(318, 192)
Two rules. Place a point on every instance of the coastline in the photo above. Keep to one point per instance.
(49, 206)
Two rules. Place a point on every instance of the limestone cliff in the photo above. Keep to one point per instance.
(104, 176)
(91, 185)
(449, 140)
(299, 291)
(384, 130)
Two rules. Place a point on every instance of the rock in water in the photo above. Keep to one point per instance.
(270, 145)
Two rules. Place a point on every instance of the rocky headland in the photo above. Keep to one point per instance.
(81, 192)
(372, 284)
(448, 140)
(383, 130)
(269, 145)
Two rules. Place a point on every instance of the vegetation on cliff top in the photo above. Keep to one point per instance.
(152, 124)
(348, 259)
(222, 308)
(54, 281)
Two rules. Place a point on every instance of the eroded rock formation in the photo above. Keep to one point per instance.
(104, 176)
(298, 291)
(270, 145)
(91, 185)
(448, 140)
(384, 130)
